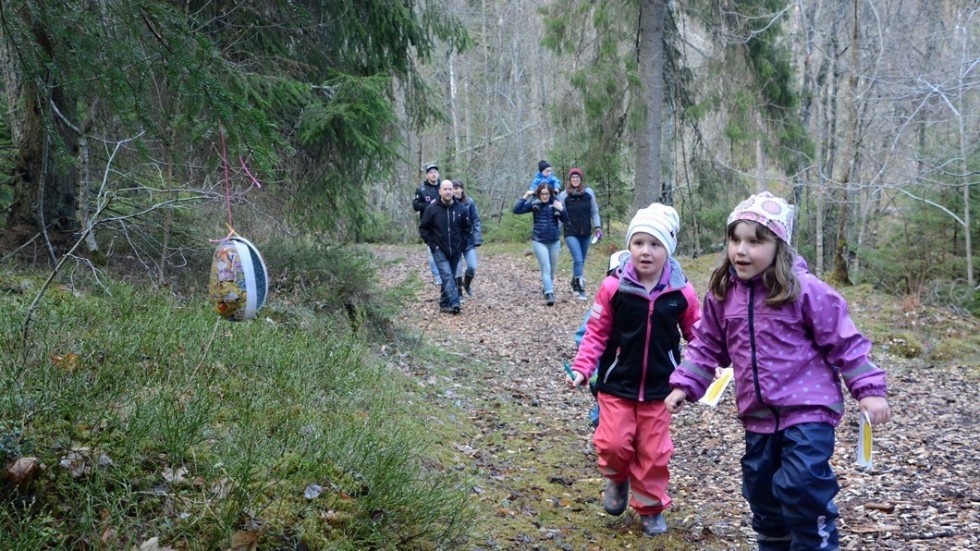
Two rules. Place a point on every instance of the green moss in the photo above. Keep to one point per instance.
(904, 345)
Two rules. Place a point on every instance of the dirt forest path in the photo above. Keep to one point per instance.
(526, 439)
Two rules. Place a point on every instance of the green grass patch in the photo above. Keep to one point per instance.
(152, 418)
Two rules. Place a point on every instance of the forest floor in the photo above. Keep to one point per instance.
(506, 417)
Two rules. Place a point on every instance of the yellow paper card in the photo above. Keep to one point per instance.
(864, 441)
(713, 395)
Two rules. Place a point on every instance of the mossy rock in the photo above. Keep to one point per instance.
(904, 345)
(957, 349)
(20, 284)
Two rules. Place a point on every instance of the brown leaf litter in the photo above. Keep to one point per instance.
(527, 439)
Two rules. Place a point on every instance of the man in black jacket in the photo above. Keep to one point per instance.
(426, 194)
(445, 228)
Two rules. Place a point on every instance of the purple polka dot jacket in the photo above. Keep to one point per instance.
(789, 362)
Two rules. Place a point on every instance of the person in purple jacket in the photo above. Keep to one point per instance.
(790, 339)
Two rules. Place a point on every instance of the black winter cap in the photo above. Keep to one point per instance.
(542, 164)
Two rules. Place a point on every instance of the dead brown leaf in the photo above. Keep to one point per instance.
(244, 541)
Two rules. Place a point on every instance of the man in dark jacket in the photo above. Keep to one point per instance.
(426, 194)
(445, 228)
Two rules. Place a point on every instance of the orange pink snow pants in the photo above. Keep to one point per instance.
(633, 442)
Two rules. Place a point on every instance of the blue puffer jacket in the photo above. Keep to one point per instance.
(547, 219)
(555, 183)
(476, 235)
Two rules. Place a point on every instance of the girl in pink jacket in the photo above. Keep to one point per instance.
(633, 338)
(790, 339)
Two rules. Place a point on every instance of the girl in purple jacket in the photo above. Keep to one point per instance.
(791, 340)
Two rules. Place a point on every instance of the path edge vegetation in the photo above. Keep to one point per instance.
(134, 413)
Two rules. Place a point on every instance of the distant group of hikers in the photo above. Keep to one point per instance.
(449, 224)
(787, 334)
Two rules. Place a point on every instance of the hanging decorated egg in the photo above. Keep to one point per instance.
(239, 279)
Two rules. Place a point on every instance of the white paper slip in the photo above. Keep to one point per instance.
(864, 441)
(713, 395)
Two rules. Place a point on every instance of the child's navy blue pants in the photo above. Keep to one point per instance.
(790, 487)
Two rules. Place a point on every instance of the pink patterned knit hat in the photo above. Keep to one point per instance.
(765, 208)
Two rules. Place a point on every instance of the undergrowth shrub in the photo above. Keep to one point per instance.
(509, 228)
(339, 282)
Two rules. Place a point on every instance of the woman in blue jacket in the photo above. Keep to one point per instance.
(465, 279)
(549, 214)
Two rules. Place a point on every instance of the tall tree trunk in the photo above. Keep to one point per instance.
(847, 168)
(651, 71)
(964, 150)
(85, 183)
(760, 153)
(453, 107)
(830, 87)
(45, 190)
(692, 200)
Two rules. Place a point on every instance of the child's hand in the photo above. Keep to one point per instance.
(579, 380)
(557, 205)
(675, 400)
(876, 408)
(528, 194)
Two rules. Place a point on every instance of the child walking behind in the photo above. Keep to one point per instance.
(633, 338)
(790, 339)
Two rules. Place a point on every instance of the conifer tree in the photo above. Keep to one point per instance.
(303, 90)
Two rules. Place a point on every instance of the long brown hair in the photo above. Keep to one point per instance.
(783, 284)
(459, 185)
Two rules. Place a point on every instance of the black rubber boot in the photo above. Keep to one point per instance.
(459, 288)
(580, 283)
(467, 280)
(616, 497)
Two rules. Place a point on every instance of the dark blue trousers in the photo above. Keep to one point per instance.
(790, 487)
(446, 264)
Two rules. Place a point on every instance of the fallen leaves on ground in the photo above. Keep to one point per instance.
(528, 439)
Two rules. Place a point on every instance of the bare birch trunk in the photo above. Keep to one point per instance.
(85, 183)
